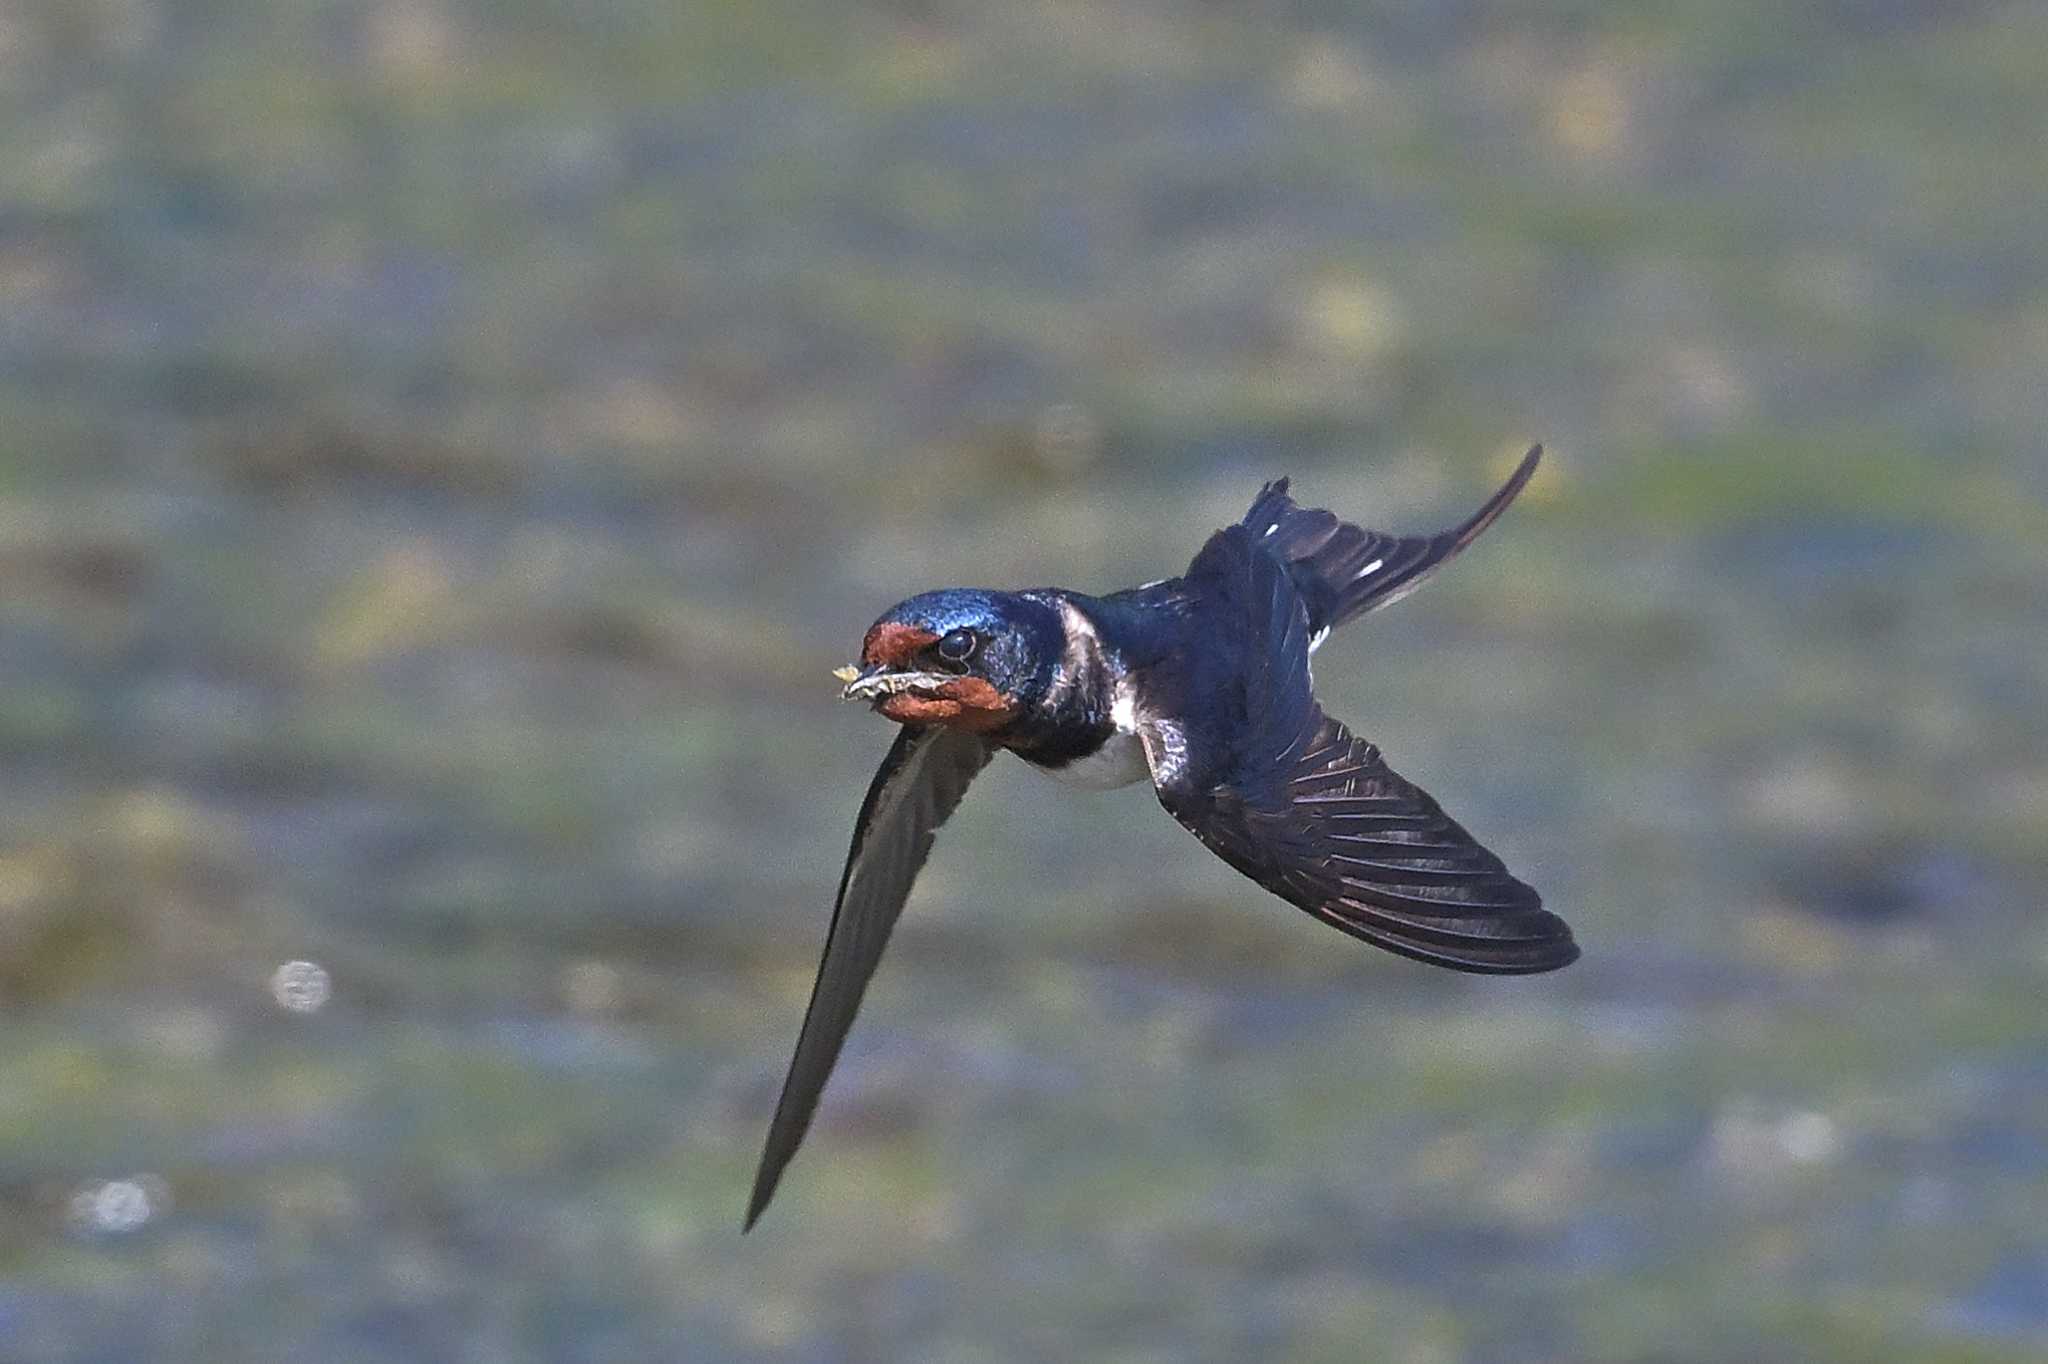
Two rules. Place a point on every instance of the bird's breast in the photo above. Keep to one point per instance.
(1118, 762)
(1100, 757)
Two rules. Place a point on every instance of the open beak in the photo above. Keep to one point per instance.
(876, 681)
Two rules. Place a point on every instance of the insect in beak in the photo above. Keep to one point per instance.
(876, 681)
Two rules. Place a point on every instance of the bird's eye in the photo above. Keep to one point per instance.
(957, 646)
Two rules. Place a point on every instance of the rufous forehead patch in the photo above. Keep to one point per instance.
(891, 643)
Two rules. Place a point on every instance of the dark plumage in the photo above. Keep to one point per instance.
(1202, 683)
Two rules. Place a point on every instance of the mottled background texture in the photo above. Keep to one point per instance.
(444, 444)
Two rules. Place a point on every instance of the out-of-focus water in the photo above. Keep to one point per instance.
(444, 446)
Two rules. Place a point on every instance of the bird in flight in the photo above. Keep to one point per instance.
(1201, 684)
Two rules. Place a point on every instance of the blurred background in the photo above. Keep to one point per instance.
(445, 444)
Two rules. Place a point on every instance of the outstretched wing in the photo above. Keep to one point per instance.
(1331, 828)
(919, 784)
(1314, 814)
(1343, 571)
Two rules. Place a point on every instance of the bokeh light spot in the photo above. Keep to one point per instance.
(300, 987)
(114, 1207)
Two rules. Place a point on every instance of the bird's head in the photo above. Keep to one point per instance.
(962, 657)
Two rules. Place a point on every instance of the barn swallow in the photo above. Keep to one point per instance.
(1200, 683)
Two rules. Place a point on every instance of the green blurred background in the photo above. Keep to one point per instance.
(444, 444)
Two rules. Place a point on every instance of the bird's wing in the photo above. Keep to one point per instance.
(918, 785)
(1343, 570)
(1313, 813)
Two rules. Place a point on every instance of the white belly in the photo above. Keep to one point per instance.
(1119, 762)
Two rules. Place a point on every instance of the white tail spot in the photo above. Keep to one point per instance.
(1369, 569)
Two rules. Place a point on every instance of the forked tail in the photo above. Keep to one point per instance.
(1343, 571)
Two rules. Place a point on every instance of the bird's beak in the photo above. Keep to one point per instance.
(876, 681)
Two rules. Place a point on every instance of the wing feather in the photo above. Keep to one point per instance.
(1313, 813)
(919, 784)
